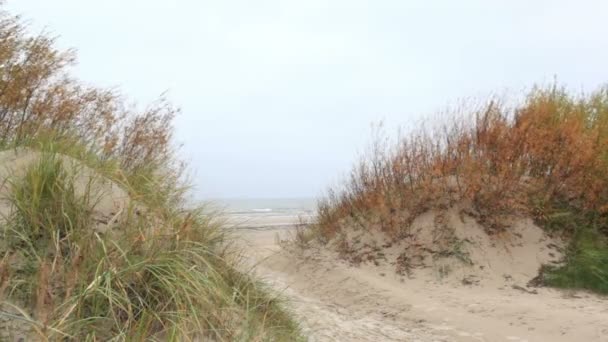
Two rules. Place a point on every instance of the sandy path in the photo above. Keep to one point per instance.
(337, 302)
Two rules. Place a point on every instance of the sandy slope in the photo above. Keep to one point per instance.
(338, 302)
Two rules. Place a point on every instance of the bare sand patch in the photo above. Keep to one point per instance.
(337, 301)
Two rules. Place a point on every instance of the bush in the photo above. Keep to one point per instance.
(38, 97)
(549, 152)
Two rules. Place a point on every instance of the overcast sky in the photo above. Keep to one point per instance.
(278, 95)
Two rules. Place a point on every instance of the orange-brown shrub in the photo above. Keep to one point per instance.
(551, 149)
(37, 96)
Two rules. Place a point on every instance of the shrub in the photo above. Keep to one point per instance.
(547, 153)
(38, 97)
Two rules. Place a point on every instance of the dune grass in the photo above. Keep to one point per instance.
(495, 161)
(161, 269)
(160, 277)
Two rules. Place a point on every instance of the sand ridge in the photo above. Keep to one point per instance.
(337, 301)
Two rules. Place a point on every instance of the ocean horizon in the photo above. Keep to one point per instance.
(246, 212)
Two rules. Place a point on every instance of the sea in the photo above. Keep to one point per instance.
(265, 212)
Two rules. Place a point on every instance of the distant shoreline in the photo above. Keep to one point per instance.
(267, 226)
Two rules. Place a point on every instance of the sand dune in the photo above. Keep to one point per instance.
(336, 301)
(109, 199)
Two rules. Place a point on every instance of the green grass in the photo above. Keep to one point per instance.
(586, 258)
(167, 275)
(46, 202)
(586, 264)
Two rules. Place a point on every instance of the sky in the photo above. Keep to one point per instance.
(277, 96)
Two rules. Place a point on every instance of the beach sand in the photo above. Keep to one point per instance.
(336, 301)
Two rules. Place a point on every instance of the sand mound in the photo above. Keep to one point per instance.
(450, 245)
(335, 301)
(108, 200)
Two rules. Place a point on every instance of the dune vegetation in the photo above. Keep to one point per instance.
(545, 158)
(99, 241)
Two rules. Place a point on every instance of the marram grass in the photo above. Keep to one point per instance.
(152, 278)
